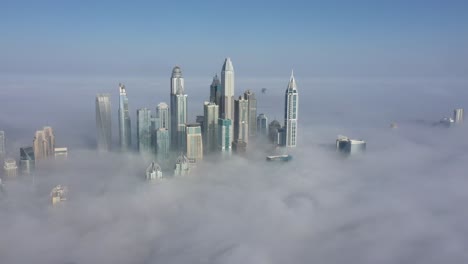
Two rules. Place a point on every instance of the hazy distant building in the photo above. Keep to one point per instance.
(27, 162)
(273, 134)
(350, 146)
(162, 116)
(154, 172)
(215, 91)
(290, 113)
(162, 145)
(178, 110)
(61, 153)
(241, 119)
(44, 143)
(194, 142)
(144, 130)
(10, 167)
(262, 124)
(125, 132)
(281, 137)
(447, 121)
(458, 115)
(182, 166)
(252, 112)
(58, 194)
(103, 122)
(210, 123)
(225, 135)
(239, 146)
(227, 92)
(2, 146)
(201, 120)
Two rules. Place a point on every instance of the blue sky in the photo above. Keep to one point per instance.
(263, 38)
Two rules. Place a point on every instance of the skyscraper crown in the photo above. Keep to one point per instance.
(292, 87)
(227, 66)
(176, 72)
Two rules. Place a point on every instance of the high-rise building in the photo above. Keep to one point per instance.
(61, 153)
(10, 167)
(194, 142)
(290, 113)
(162, 145)
(27, 160)
(162, 116)
(273, 132)
(144, 130)
(241, 119)
(210, 124)
(227, 91)
(2, 146)
(182, 166)
(58, 194)
(103, 122)
(178, 110)
(215, 91)
(125, 131)
(154, 172)
(225, 136)
(44, 143)
(262, 124)
(201, 120)
(350, 146)
(458, 115)
(252, 112)
(239, 146)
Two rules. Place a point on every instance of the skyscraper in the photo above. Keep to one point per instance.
(241, 120)
(194, 142)
(27, 160)
(124, 119)
(44, 143)
(2, 146)
(350, 146)
(252, 112)
(458, 115)
(162, 145)
(10, 167)
(210, 133)
(103, 122)
(144, 130)
(225, 135)
(178, 110)
(215, 91)
(182, 166)
(153, 172)
(227, 91)
(262, 124)
(290, 113)
(162, 116)
(273, 131)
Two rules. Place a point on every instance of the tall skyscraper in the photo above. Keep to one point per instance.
(210, 133)
(144, 130)
(290, 113)
(125, 131)
(194, 142)
(273, 131)
(252, 112)
(458, 115)
(154, 172)
(10, 167)
(162, 145)
(225, 135)
(215, 91)
(182, 166)
(241, 120)
(103, 122)
(262, 124)
(178, 110)
(227, 92)
(27, 160)
(2, 146)
(162, 116)
(44, 143)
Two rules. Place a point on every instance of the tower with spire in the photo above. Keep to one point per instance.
(290, 113)
(178, 110)
(124, 119)
(227, 92)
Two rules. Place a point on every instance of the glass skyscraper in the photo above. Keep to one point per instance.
(241, 120)
(262, 124)
(103, 122)
(225, 135)
(215, 91)
(2, 147)
(290, 113)
(144, 130)
(162, 145)
(210, 123)
(252, 112)
(178, 110)
(194, 142)
(227, 92)
(162, 116)
(27, 160)
(125, 132)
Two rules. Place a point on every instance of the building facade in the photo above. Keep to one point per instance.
(182, 166)
(241, 120)
(10, 167)
(194, 142)
(44, 143)
(273, 131)
(227, 91)
(178, 110)
(2, 147)
(210, 132)
(225, 135)
(125, 132)
(252, 112)
(215, 91)
(27, 162)
(154, 172)
(350, 146)
(144, 130)
(162, 116)
(103, 122)
(262, 124)
(162, 145)
(458, 115)
(291, 113)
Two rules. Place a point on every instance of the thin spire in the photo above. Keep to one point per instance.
(292, 82)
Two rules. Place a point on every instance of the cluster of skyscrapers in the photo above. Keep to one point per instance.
(227, 124)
